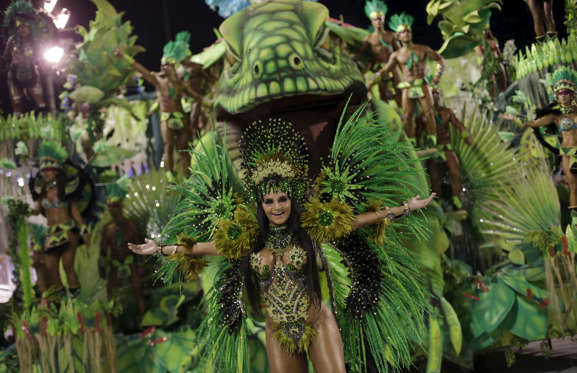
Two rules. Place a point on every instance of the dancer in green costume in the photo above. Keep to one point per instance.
(269, 244)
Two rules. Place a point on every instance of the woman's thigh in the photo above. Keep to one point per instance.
(281, 361)
(326, 350)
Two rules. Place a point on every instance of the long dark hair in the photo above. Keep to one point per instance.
(312, 281)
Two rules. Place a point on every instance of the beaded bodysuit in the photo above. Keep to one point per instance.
(283, 283)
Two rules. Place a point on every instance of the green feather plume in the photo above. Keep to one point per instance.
(374, 6)
(17, 9)
(401, 21)
(209, 194)
(372, 161)
(177, 50)
(51, 149)
(564, 78)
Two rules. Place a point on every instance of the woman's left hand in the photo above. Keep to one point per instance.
(415, 203)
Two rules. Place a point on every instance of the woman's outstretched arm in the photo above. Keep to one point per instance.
(150, 247)
(374, 217)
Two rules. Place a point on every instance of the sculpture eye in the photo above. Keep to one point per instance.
(257, 69)
(296, 61)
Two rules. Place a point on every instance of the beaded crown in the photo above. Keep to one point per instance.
(400, 22)
(51, 155)
(177, 50)
(564, 78)
(116, 192)
(374, 8)
(275, 157)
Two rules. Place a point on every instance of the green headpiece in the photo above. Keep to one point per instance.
(177, 50)
(275, 157)
(19, 8)
(116, 192)
(564, 78)
(51, 155)
(400, 22)
(374, 8)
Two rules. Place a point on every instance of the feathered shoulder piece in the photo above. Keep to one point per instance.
(327, 221)
(236, 237)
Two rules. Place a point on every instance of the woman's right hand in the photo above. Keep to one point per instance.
(149, 247)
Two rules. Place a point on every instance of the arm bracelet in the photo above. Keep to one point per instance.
(407, 209)
(159, 252)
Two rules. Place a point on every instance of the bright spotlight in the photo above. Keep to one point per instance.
(49, 5)
(54, 54)
(62, 19)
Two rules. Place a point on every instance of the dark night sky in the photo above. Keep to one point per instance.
(152, 26)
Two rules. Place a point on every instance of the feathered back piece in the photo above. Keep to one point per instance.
(400, 22)
(275, 157)
(177, 50)
(19, 8)
(564, 78)
(116, 192)
(51, 155)
(376, 8)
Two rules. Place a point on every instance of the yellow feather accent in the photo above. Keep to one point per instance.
(327, 221)
(235, 238)
(288, 344)
(191, 266)
(186, 241)
(381, 226)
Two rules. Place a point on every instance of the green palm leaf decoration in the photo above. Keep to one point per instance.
(33, 126)
(489, 165)
(96, 65)
(510, 201)
(527, 207)
(149, 201)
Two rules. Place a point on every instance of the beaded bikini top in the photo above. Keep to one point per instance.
(567, 124)
(282, 280)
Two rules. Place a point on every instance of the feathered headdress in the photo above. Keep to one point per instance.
(275, 157)
(116, 192)
(375, 8)
(177, 50)
(400, 22)
(564, 78)
(19, 8)
(51, 155)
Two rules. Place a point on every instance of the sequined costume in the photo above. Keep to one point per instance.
(373, 287)
(283, 284)
(77, 187)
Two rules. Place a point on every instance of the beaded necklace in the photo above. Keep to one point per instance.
(567, 109)
(280, 238)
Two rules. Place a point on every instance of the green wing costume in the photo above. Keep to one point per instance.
(381, 303)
